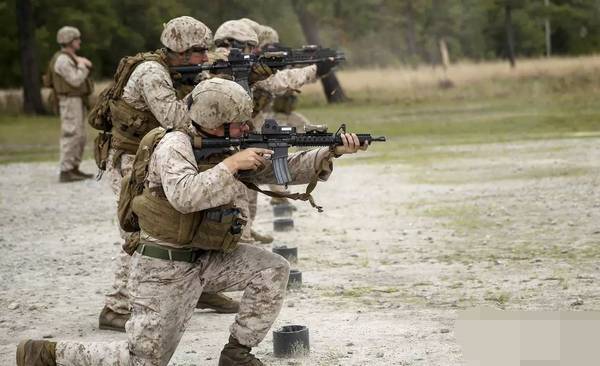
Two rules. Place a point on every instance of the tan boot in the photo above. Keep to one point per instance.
(236, 354)
(263, 238)
(36, 353)
(78, 172)
(218, 302)
(109, 320)
(69, 176)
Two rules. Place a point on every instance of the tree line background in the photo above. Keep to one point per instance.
(372, 32)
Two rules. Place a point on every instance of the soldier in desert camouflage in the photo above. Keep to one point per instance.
(244, 34)
(168, 275)
(69, 77)
(149, 99)
(281, 106)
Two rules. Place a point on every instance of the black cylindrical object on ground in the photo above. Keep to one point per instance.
(291, 341)
(283, 224)
(291, 254)
(295, 279)
(283, 210)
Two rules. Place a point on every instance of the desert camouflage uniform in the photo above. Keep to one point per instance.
(149, 88)
(164, 293)
(288, 79)
(72, 113)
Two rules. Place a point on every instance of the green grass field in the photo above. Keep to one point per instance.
(541, 106)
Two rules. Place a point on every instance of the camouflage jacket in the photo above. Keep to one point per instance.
(150, 88)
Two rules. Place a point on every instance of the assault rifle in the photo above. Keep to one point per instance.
(279, 139)
(239, 64)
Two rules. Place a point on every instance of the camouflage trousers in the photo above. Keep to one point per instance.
(164, 294)
(72, 132)
(118, 299)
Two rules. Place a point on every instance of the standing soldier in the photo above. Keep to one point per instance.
(146, 99)
(68, 76)
(190, 214)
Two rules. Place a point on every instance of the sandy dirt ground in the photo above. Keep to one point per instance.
(397, 253)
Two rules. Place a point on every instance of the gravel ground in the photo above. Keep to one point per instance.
(397, 252)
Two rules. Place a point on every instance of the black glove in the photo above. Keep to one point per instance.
(259, 72)
(325, 66)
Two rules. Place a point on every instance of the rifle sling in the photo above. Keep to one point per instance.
(306, 196)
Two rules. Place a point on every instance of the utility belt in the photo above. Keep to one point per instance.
(170, 254)
(218, 228)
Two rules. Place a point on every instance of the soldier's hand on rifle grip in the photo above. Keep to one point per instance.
(350, 145)
(260, 72)
(325, 66)
(247, 159)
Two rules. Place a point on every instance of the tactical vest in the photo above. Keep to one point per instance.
(148, 209)
(129, 125)
(261, 98)
(123, 126)
(60, 86)
(285, 103)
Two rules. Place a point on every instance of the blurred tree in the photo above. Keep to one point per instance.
(331, 86)
(510, 34)
(372, 32)
(32, 96)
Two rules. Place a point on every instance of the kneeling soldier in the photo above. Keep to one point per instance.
(191, 214)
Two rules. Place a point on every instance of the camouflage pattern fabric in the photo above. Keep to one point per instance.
(238, 30)
(183, 33)
(92, 354)
(267, 35)
(288, 79)
(72, 114)
(150, 88)
(118, 298)
(217, 100)
(66, 34)
(164, 295)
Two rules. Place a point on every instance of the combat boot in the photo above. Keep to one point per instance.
(263, 238)
(78, 172)
(109, 320)
(218, 302)
(236, 354)
(36, 353)
(69, 176)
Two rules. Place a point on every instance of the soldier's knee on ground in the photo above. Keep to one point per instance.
(146, 345)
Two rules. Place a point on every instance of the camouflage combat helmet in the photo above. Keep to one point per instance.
(182, 33)
(67, 34)
(254, 25)
(237, 30)
(218, 101)
(267, 35)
